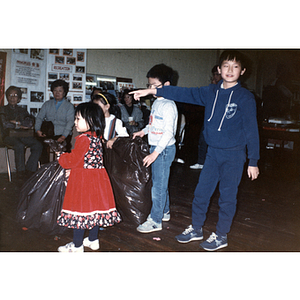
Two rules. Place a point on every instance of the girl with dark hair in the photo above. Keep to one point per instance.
(89, 201)
(113, 125)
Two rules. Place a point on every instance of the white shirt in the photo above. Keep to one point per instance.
(162, 125)
(120, 130)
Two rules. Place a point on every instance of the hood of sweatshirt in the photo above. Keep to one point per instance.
(229, 108)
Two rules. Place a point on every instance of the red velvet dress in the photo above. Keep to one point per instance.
(89, 199)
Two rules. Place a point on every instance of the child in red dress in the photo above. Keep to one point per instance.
(89, 201)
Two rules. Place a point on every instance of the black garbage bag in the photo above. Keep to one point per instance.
(41, 199)
(131, 181)
(55, 145)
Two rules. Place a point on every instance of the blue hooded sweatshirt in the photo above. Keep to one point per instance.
(230, 115)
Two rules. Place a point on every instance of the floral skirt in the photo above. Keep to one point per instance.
(77, 220)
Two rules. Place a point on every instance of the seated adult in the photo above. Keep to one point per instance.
(61, 113)
(131, 115)
(15, 117)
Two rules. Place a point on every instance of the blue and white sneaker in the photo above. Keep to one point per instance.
(214, 242)
(166, 217)
(149, 226)
(190, 234)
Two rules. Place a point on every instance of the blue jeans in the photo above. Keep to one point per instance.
(226, 168)
(160, 180)
(19, 144)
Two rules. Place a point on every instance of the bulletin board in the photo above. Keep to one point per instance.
(28, 70)
(110, 84)
(68, 65)
(105, 83)
(33, 71)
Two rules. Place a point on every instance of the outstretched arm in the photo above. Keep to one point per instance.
(194, 95)
(142, 93)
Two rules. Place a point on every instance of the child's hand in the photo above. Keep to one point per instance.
(140, 133)
(110, 143)
(142, 93)
(149, 159)
(253, 172)
(67, 173)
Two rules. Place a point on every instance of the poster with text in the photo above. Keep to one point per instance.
(28, 70)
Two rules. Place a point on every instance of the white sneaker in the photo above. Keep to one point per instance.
(166, 217)
(179, 160)
(94, 245)
(196, 167)
(149, 226)
(70, 247)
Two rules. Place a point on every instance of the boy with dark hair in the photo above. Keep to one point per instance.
(161, 132)
(163, 73)
(230, 128)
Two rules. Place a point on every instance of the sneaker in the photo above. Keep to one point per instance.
(166, 217)
(196, 167)
(190, 234)
(94, 245)
(70, 247)
(179, 160)
(214, 242)
(149, 226)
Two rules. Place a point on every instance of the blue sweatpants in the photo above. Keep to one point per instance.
(226, 168)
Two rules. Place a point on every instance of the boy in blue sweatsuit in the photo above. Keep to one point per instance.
(230, 128)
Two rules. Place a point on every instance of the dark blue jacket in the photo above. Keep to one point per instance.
(16, 113)
(230, 115)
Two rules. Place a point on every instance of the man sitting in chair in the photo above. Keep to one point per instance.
(16, 118)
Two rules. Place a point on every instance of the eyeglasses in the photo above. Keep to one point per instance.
(155, 86)
(13, 95)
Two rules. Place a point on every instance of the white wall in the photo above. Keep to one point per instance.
(194, 66)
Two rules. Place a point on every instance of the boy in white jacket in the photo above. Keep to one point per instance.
(161, 132)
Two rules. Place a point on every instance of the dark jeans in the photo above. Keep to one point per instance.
(226, 168)
(19, 144)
